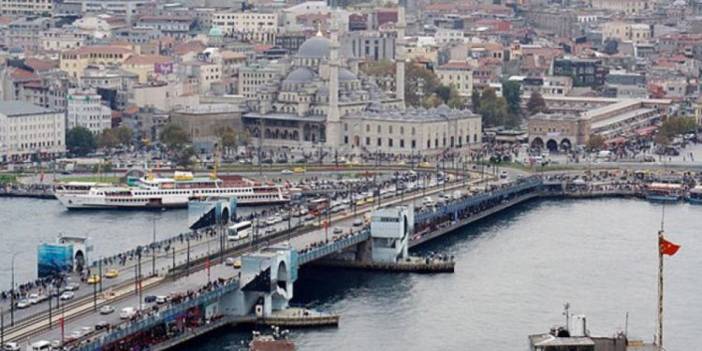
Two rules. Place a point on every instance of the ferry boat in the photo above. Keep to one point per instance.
(664, 192)
(695, 195)
(155, 192)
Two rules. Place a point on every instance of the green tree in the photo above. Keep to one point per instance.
(173, 136)
(456, 100)
(595, 142)
(661, 139)
(674, 126)
(511, 91)
(420, 82)
(433, 100)
(444, 92)
(536, 103)
(493, 109)
(125, 135)
(475, 100)
(80, 141)
(184, 156)
(107, 139)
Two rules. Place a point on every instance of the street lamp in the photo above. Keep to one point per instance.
(12, 292)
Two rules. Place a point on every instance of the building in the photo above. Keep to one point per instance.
(205, 122)
(127, 9)
(369, 45)
(59, 39)
(584, 72)
(75, 61)
(26, 8)
(572, 120)
(85, 109)
(177, 27)
(624, 31)
(458, 74)
(26, 33)
(28, 131)
(145, 66)
(256, 75)
(625, 6)
(250, 26)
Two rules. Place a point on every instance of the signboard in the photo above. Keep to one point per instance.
(54, 259)
(163, 68)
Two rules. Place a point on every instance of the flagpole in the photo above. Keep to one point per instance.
(659, 340)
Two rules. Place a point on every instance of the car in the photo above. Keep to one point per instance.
(237, 263)
(67, 295)
(56, 345)
(102, 325)
(112, 273)
(299, 170)
(72, 287)
(86, 330)
(24, 303)
(11, 346)
(127, 313)
(107, 309)
(74, 335)
(93, 279)
(357, 222)
(503, 175)
(286, 172)
(337, 230)
(161, 299)
(33, 298)
(149, 298)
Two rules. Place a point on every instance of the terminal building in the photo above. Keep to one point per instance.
(572, 120)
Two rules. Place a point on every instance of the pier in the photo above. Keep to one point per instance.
(260, 290)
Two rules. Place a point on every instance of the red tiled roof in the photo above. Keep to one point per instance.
(457, 65)
(190, 46)
(39, 65)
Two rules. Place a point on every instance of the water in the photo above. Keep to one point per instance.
(513, 274)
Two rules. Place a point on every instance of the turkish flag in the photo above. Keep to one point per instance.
(667, 248)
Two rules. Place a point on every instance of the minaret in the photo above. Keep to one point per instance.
(333, 128)
(400, 55)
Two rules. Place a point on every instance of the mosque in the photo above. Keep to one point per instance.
(324, 101)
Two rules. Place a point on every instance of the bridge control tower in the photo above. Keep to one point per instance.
(390, 233)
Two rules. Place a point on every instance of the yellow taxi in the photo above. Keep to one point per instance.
(237, 263)
(425, 164)
(112, 273)
(299, 170)
(93, 279)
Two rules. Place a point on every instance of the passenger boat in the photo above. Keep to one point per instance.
(155, 192)
(694, 196)
(664, 192)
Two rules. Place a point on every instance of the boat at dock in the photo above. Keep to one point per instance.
(694, 196)
(157, 192)
(663, 192)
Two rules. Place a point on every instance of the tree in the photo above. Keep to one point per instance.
(661, 139)
(228, 138)
(125, 135)
(536, 103)
(184, 156)
(173, 136)
(675, 126)
(595, 142)
(511, 91)
(444, 92)
(456, 100)
(107, 139)
(420, 82)
(475, 100)
(433, 100)
(493, 109)
(80, 141)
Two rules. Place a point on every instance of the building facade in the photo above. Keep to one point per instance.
(28, 131)
(85, 109)
(251, 26)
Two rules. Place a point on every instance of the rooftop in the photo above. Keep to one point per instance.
(15, 108)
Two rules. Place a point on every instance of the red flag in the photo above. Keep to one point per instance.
(667, 248)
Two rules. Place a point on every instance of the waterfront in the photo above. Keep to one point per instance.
(513, 273)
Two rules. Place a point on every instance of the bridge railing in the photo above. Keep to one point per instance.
(150, 321)
(458, 205)
(331, 247)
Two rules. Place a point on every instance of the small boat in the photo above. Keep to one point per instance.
(664, 192)
(694, 196)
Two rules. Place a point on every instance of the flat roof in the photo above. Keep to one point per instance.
(14, 108)
(620, 118)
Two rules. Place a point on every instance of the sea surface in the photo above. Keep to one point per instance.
(514, 272)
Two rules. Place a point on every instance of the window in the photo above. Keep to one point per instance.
(380, 142)
(367, 128)
(379, 129)
(390, 130)
(346, 139)
(368, 141)
(402, 143)
(390, 142)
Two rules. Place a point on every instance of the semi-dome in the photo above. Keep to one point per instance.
(300, 75)
(345, 74)
(315, 47)
(215, 31)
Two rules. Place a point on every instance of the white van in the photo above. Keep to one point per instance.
(41, 345)
(127, 313)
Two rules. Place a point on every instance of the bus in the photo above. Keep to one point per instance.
(42, 345)
(239, 230)
(317, 206)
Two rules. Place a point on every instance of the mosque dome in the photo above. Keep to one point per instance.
(315, 47)
(300, 75)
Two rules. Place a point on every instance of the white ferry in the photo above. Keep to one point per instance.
(154, 192)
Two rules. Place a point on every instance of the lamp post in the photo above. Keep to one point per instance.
(12, 292)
